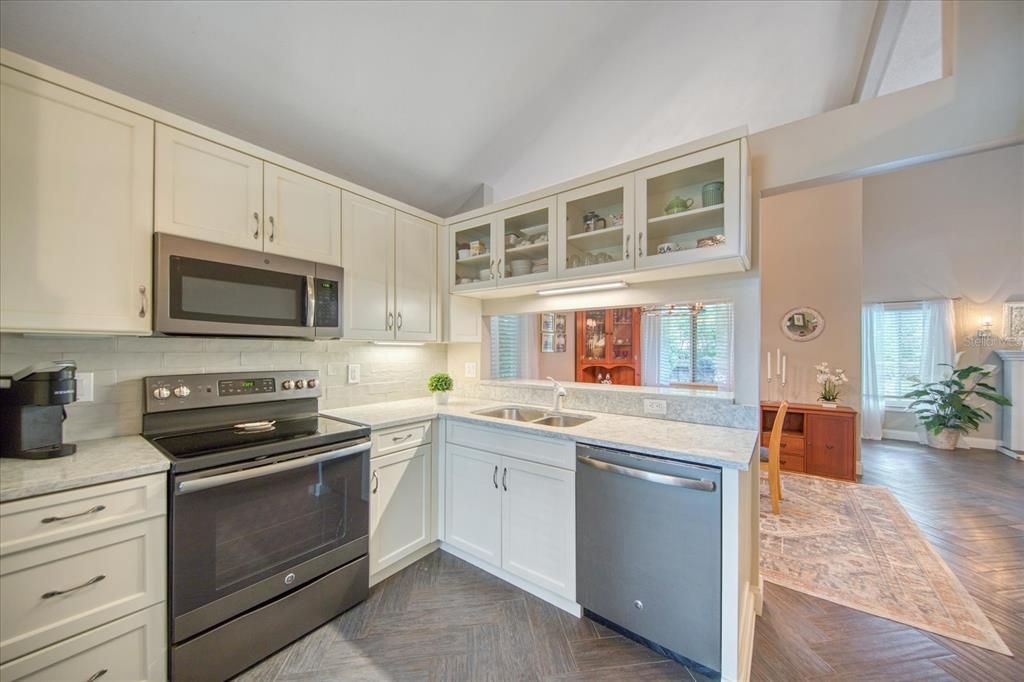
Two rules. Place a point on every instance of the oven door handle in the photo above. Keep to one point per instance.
(197, 484)
(310, 300)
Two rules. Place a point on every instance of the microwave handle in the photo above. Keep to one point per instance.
(310, 300)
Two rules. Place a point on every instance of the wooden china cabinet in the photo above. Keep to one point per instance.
(608, 346)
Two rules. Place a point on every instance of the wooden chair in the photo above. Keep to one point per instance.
(771, 455)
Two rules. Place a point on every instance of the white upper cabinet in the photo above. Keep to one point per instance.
(76, 215)
(368, 256)
(207, 191)
(416, 315)
(303, 216)
(472, 253)
(595, 228)
(688, 209)
(525, 244)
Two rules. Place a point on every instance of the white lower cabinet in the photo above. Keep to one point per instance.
(538, 510)
(472, 499)
(514, 514)
(83, 574)
(400, 509)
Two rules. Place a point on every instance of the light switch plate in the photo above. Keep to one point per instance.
(83, 387)
(656, 407)
(470, 370)
(353, 374)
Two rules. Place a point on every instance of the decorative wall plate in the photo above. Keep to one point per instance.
(802, 324)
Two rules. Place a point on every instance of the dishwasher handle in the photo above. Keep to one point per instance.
(701, 484)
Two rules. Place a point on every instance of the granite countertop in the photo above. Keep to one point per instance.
(715, 445)
(95, 461)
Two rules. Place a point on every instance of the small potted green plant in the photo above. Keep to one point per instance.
(949, 407)
(440, 384)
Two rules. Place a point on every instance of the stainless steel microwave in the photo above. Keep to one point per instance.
(215, 290)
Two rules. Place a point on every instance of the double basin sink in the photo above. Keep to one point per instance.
(532, 415)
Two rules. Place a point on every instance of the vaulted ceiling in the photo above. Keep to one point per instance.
(423, 101)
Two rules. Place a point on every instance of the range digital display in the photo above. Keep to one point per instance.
(245, 386)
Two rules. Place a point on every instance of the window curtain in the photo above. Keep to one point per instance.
(872, 403)
(939, 345)
(650, 335)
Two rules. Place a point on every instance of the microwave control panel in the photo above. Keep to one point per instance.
(327, 293)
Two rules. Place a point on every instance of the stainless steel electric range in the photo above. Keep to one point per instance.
(269, 514)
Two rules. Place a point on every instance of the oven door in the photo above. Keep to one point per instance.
(244, 534)
(205, 288)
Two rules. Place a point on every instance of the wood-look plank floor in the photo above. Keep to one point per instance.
(970, 506)
(444, 619)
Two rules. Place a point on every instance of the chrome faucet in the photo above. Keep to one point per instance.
(559, 393)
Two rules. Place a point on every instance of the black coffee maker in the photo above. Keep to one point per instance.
(32, 411)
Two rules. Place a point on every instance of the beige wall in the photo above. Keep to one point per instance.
(949, 229)
(811, 256)
(560, 366)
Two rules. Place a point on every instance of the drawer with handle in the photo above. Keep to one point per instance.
(36, 521)
(790, 462)
(130, 648)
(63, 588)
(398, 438)
(791, 444)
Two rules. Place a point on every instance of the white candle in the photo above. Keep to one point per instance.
(778, 360)
(783, 369)
(769, 365)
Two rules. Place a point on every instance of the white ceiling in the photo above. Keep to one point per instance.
(425, 100)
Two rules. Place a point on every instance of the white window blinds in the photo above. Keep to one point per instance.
(507, 339)
(902, 332)
(694, 349)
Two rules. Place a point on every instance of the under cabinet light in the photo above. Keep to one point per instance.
(399, 343)
(582, 288)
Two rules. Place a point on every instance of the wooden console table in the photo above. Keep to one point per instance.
(815, 440)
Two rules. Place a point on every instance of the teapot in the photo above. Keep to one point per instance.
(592, 221)
(678, 204)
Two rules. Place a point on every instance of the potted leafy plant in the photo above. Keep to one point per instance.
(440, 384)
(949, 407)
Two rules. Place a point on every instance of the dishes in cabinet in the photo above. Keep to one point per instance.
(521, 266)
(463, 253)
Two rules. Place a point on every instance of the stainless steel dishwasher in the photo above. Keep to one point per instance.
(649, 550)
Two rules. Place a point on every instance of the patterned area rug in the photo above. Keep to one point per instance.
(855, 545)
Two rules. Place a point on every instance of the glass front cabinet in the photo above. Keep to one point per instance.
(509, 248)
(688, 212)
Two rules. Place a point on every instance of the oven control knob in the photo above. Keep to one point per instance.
(162, 393)
(311, 383)
(181, 391)
(299, 383)
(286, 385)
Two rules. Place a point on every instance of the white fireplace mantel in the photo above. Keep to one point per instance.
(1013, 416)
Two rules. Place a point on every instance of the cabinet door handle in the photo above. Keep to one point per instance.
(142, 308)
(95, 510)
(57, 593)
(640, 245)
(626, 254)
(391, 320)
(491, 269)
(399, 320)
(501, 273)
(494, 477)
(504, 479)
(829, 447)
(401, 439)
(376, 483)
(271, 219)
(256, 232)
(97, 675)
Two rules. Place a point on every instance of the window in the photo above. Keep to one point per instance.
(508, 336)
(690, 344)
(902, 331)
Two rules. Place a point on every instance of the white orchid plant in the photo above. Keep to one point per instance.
(830, 380)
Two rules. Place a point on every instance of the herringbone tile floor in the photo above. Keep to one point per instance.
(970, 506)
(444, 619)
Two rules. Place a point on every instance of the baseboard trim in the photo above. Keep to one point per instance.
(748, 622)
(558, 600)
(966, 442)
(1012, 454)
(403, 563)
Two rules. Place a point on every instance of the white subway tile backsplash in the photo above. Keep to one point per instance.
(120, 364)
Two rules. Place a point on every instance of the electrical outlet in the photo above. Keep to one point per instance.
(470, 370)
(353, 374)
(655, 407)
(83, 387)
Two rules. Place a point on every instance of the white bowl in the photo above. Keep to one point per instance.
(485, 273)
(463, 253)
